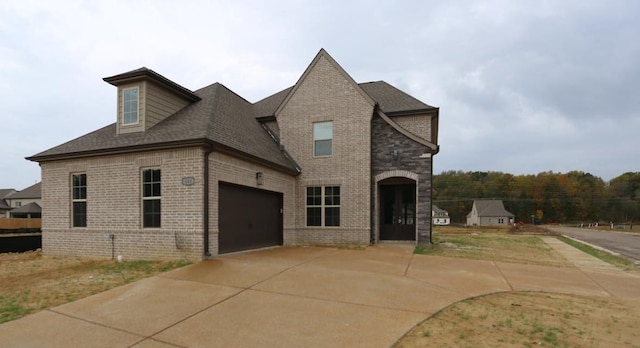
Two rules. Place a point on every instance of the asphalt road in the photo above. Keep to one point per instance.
(623, 243)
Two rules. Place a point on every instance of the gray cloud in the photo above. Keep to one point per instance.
(523, 87)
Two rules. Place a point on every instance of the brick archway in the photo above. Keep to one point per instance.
(396, 173)
(376, 196)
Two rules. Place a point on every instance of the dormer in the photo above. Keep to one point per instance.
(146, 98)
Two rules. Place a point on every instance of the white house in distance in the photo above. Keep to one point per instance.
(440, 217)
(489, 213)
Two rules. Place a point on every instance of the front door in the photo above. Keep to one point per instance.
(398, 212)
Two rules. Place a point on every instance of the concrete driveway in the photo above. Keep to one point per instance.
(297, 296)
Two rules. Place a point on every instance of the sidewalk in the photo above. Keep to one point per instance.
(580, 259)
(616, 282)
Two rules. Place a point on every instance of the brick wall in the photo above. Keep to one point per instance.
(114, 207)
(419, 125)
(114, 204)
(326, 94)
(409, 164)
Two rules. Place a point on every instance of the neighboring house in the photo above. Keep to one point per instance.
(184, 174)
(489, 213)
(4, 205)
(27, 211)
(25, 203)
(440, 217)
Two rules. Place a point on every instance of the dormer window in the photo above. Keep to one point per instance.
(130, 106)
(145, 98)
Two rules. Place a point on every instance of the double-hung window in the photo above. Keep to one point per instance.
(323, 206)
(79, 200)
(151, 198)
(322, 139)
(130, 106)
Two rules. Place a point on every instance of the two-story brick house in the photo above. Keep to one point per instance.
(184, 174)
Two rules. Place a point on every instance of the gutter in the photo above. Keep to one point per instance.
(206, 252)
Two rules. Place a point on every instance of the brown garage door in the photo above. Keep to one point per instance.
(248, 218)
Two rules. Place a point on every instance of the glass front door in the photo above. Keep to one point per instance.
(398, 212)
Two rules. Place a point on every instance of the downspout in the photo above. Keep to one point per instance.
(373, 187)
(431, 199)
(207, 152)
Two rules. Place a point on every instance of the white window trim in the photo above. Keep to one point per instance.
(124, 123)
(313, 144)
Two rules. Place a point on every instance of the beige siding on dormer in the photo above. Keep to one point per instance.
(160, 104)
(155, 104)
(419, 125)
(123, 129)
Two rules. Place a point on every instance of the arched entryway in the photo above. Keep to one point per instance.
(397, 209)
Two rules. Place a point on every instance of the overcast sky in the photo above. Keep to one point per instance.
(522, 86)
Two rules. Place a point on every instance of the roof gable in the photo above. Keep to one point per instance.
(390, 100)
(323, 55)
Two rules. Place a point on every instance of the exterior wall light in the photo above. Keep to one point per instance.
(395, 154)
(259, 178)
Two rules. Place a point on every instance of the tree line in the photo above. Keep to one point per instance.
(548, 197)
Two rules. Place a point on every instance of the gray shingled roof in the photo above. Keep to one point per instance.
(146, 73)
(33, 191)
(389, 99)
(436, 209)
(268, 105)
(5, 192)
(30, 208)
(221, 116)
(491, 208)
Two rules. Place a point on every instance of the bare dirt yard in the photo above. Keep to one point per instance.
(522, 319)
(30, 281)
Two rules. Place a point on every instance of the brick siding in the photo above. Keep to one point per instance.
(326, 94)
(114, 207)
(409, 164)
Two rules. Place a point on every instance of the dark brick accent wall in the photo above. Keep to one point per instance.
(384, 140)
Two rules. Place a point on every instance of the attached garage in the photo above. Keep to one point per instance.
(248, 218)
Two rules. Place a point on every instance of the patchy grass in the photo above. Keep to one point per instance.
(492, 244)
(618, 261)
(523, 319)
(529, 319)
(30, 282)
